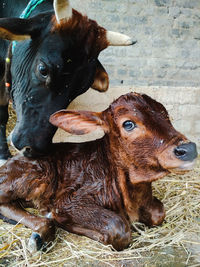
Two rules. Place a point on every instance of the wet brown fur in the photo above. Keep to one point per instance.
(96, 188)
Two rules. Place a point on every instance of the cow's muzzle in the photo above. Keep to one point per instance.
(23, 146)
(186, 152)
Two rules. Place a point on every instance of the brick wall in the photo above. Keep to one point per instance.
(168, 34)
(165, 63)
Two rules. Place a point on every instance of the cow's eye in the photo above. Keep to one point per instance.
(42, 68)
(129, 125)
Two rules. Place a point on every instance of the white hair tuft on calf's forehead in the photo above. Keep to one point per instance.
(62, 9)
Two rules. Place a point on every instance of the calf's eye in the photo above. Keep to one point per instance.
(129, 125)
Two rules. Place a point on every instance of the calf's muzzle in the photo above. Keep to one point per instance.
(186, 152)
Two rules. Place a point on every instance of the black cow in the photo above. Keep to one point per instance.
(54, 61)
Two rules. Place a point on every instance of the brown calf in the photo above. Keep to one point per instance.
(98, 188)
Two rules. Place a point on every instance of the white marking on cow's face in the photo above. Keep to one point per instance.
(22, 151)
(11, 142)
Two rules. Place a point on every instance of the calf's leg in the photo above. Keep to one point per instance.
(44, 229)
(96, 223)
(153, 213)
(151, 210)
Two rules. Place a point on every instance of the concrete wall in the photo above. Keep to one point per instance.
(165, 63)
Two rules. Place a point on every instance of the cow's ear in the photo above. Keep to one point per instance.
(101, 79)
(16, 29)
(78, 122)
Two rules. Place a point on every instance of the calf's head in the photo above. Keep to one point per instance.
(55, 60)
(139, 136)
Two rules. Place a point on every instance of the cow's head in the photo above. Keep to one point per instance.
(55, 60)
(139, 136)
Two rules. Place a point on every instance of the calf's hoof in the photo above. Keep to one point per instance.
(45, 233)
(35, 243)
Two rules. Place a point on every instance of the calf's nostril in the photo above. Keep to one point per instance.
(179, 152)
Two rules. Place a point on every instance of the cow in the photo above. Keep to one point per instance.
(98, 188)
(53, 58)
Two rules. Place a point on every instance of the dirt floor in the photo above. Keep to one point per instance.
(176, 243)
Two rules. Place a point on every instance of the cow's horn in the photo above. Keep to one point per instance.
(62, 10)
(115, 38)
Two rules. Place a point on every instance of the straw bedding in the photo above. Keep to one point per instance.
(175, 243)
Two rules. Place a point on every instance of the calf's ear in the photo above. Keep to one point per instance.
(78, 122)
(101, 79)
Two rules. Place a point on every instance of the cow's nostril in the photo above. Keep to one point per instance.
(27, 151)
(186, 152)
